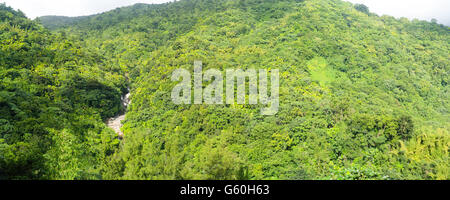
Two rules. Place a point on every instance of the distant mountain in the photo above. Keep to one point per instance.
(107, 18)
(55, 22)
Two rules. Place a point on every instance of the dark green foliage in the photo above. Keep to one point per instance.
(49, 86)
(363, 8)
(55, 22)
(361, 96)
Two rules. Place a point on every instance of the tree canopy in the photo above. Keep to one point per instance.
(361, 96)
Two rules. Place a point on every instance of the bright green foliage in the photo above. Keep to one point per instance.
(54, 94)
(361, 96)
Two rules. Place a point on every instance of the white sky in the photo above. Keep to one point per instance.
(36, 8)
(421, 9)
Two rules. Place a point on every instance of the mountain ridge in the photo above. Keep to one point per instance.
(53, 21)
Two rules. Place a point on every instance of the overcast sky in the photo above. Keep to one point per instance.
(421, 9)
(36, 8)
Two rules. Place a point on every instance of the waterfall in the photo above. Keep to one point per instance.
(116, 122)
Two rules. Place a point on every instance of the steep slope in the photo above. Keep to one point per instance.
(361, 96)
(54, 95)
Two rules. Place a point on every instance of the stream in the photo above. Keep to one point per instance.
(116, 122)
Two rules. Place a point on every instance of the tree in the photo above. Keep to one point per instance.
(362, 8)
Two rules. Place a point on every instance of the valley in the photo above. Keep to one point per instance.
(361, 96)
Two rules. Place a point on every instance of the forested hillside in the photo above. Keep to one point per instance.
(54, 93)
(361, 96)
(56, 22)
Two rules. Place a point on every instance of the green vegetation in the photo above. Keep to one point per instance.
(361, 96)
(55, 22)
(54, 93)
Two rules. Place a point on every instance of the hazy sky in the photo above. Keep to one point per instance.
(36, 8)
(421, 9)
